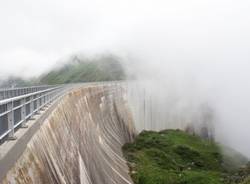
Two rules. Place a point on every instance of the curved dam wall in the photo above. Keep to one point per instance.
(81, 140)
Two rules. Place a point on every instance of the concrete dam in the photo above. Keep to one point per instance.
(80, 140)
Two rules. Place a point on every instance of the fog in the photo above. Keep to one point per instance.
(191, 52)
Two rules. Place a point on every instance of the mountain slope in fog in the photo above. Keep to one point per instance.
(106, 68)
(75, 70)
(14, 81)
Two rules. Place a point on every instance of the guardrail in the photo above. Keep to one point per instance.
(14, 112)
(13, 92)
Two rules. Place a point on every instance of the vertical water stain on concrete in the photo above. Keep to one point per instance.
(80, 142)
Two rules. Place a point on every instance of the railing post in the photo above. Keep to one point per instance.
(50, 97)
(47, 98)
(1, 95)
(44, 98)
(4, 94)
(31, 105)
(11, 121)
(23, 113)
(38, 102)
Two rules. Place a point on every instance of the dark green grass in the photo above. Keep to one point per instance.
(175, 157)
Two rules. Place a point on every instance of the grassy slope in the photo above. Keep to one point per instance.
(174, 157)
(102, 69)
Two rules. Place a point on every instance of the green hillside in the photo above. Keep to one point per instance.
(105, 68)
(175, 157)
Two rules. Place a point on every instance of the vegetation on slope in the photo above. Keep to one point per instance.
(175, 157)
(105, 68)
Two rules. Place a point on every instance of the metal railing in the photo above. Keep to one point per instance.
(13, 92)
(15, 111)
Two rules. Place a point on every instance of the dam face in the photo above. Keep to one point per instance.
(80, 141)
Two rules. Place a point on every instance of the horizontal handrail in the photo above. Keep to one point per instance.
(13, 92)
(27, 87)
(15, 111)
(25, 96)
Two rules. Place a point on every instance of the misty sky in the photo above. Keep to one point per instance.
(196, 47)
(36, 34)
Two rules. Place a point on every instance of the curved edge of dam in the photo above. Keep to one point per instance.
(80, 141)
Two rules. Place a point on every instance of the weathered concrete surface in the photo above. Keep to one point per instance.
(11, 150)
(80, 142)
